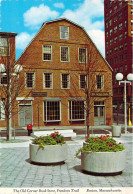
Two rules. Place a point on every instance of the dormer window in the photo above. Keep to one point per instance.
(64, 32)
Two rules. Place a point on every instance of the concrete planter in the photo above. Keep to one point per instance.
(116, 130)
(103, 162)
(50, 154)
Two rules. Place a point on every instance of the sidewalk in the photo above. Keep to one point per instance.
(17, 171)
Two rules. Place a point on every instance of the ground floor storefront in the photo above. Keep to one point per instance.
(53, 111)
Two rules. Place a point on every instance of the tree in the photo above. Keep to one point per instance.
(11, 87)
(94, 72)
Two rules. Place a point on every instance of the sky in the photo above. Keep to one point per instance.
(25, 18)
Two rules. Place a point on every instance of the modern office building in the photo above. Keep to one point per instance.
(118, 17)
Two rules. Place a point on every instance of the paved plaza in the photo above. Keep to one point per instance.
(17, 171)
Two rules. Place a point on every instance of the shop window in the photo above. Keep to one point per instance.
(52, 110)
(30, 80)
(82, 81)
(64, 32)
(48, 81)
(76, 110)
(82, 55)
(65, 81)
(47, 52)
(64, 54)
(99, 82)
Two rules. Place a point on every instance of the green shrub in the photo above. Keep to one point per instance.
(52, 139)
(101, 144)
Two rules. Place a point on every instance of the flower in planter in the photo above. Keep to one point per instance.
(104, 143)
(52, 139)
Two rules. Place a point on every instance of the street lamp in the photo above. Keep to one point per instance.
(17, 69)
(119, 77)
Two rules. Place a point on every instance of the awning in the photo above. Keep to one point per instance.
(76, 99)
(52, 99)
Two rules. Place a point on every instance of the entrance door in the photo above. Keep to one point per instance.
(99, 114)
(25, 115)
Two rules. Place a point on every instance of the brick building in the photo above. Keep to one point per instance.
(118, 45)
(55, 77)
(7, 57)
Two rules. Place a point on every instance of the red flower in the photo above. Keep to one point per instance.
(108, 143)
(112, 144)
(95, 139)
(53, 128)
(120, 143)
(86, 137)
(53, 135)
(107, 135)
(41, 138)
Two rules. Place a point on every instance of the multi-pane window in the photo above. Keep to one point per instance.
(116, 59)
(125, 34)
(111, 41)
(2, 110)
(65, 81)
(115, 40)
(99, 82)
(30, 80)
(115, 29)
(48, 80)
(4, 47)
(115, 19)
(120, 37)
(47, 52)
(121, 47)
(64, 32)
(3, 80)
(64, 53)
(116, 49)
(120, 26)
(82, 55)
(110, 22)
(83, 81)
(120, 15)
(115, 8)
(110, 32)
(76, 110)
(52, 110)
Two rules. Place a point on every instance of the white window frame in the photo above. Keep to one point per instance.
(51, 80)
(85, 55)
(2, 111)
(65, 34)
(71, 111)
(80, 81)
(33, 81)
(61, 52)
(45, 52)
(102, 82)
(46, 111)
(68, 81)
(4, 48)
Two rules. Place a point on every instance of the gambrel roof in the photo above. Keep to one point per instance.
(67, 20)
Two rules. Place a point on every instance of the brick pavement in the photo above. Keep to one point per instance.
(17, 171)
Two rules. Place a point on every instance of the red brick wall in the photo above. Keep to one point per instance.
(32, 61)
